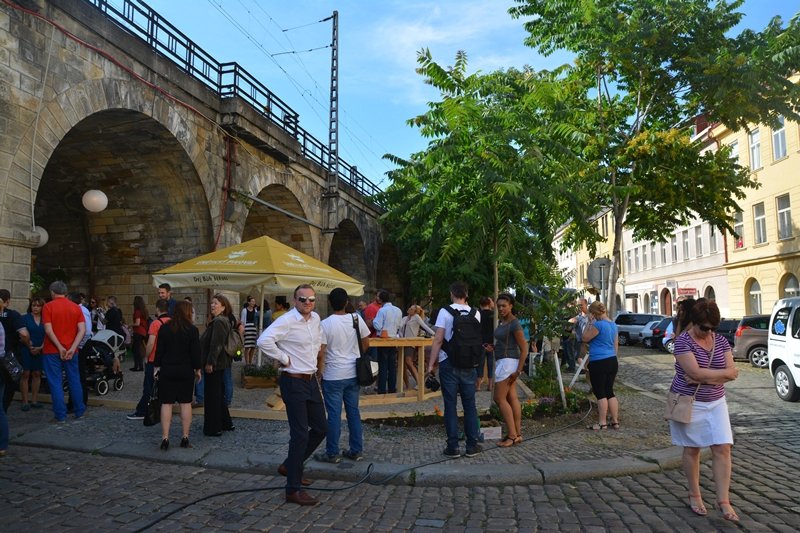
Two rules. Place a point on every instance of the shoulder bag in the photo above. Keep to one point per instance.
(10, 364)
(364, 373)
(152, 415)
(679, 406)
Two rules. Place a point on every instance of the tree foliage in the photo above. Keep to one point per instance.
(646, 68)
(484, 199)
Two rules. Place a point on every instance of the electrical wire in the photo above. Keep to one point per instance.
(364, 479)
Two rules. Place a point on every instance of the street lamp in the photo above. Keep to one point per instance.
(43, 236)
(94, 200)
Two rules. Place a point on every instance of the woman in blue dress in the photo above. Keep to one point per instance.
(32, 357)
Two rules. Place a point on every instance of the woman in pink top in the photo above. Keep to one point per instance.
(704, 363)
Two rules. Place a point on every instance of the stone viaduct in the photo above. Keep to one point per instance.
(193, 155)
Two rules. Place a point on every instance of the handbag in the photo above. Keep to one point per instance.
(152, 415)
(679, 406)
(10, 364)
(364, 373)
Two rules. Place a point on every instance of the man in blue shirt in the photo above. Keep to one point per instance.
(387, 324)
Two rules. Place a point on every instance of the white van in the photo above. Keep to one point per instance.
(784, 348)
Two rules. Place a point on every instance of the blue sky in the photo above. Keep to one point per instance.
(378, 86)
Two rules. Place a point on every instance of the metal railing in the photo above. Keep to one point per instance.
(227, 80)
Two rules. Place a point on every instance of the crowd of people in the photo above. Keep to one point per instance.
(191, 369)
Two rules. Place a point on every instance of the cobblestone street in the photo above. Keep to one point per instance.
(63, 491)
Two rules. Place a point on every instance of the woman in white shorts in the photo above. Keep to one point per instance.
(510, 352)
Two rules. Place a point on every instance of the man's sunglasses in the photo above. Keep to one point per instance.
(304, 299)
(707, 328)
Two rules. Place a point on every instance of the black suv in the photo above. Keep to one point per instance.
(727, 328)
(629, 325)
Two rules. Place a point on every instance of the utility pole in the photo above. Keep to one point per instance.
(331, 196)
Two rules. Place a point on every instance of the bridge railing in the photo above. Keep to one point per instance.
(227, 80)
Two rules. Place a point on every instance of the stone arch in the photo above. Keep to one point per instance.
(65, 109)
(262, 220)
(347, 251)
(789, 286)
(752, 297)
(152, 219)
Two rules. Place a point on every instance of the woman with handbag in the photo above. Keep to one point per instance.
(511, 351)
(217, 418)
(177, 368)
(703, 364)
(601, 334)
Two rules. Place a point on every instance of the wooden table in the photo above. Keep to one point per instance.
(400, 343)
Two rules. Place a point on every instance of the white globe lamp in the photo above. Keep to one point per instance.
(43, 236)
(94, 200)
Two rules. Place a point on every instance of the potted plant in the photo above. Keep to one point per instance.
(259, 377)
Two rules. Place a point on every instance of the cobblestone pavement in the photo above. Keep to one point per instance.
(60, 490)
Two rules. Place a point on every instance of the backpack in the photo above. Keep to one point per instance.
(465, 347)
(234, 343)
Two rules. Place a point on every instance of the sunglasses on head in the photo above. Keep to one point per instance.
(304, 299)
(707, 328)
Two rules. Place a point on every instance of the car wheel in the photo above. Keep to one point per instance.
(670, 346)
(623, 339)
(785, 386)
(648, 342)
(758, 357)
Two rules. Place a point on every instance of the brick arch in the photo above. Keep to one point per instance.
(347, 251)
(262, 220)
(151, 220)
(68, 108)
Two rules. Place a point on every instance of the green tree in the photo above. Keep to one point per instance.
(482, 202)
(648, 67)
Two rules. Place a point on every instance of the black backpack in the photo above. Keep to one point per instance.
(465, 347)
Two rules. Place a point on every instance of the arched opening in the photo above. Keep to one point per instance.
(789, 286)
(646, 302)
(753, 297)
(709, 293)
(157, 212)
(347, 251)
(666, 302)
(388, 275)
(261, 220)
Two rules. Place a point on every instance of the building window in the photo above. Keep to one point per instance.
(663, 253)
(760, 223)
(636, 260)
(712, 240)
(630, 264)
(709, 293)
(605, 225)
(779, 141)
(674, 248)
(784, 217)
(791, 288)
(738, 229)
(686, 245)
(735, 151)
(652, 255)
(755, 149)
(754, 298)
(582, 277)
(698, 240)
(644, 257)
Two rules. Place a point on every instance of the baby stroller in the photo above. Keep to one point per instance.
(100, 352)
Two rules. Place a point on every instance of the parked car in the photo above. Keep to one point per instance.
(751, 340)
(630, 324)
(784, 348)
(652, 334)
(727, 328)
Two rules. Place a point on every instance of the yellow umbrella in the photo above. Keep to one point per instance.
(263, 263)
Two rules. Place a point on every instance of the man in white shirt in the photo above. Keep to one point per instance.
(295, 340)
(455, 381)
(344, 333)
(387, 324)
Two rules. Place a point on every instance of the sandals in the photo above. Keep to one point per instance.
(597, 427)
(518, 439)
(699, 510)
(614, 425)
(731, 515)
(508, 442)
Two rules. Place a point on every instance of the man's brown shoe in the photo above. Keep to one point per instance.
(301, 497)
(304, 482)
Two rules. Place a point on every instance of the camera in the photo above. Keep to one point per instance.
(432, 383)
